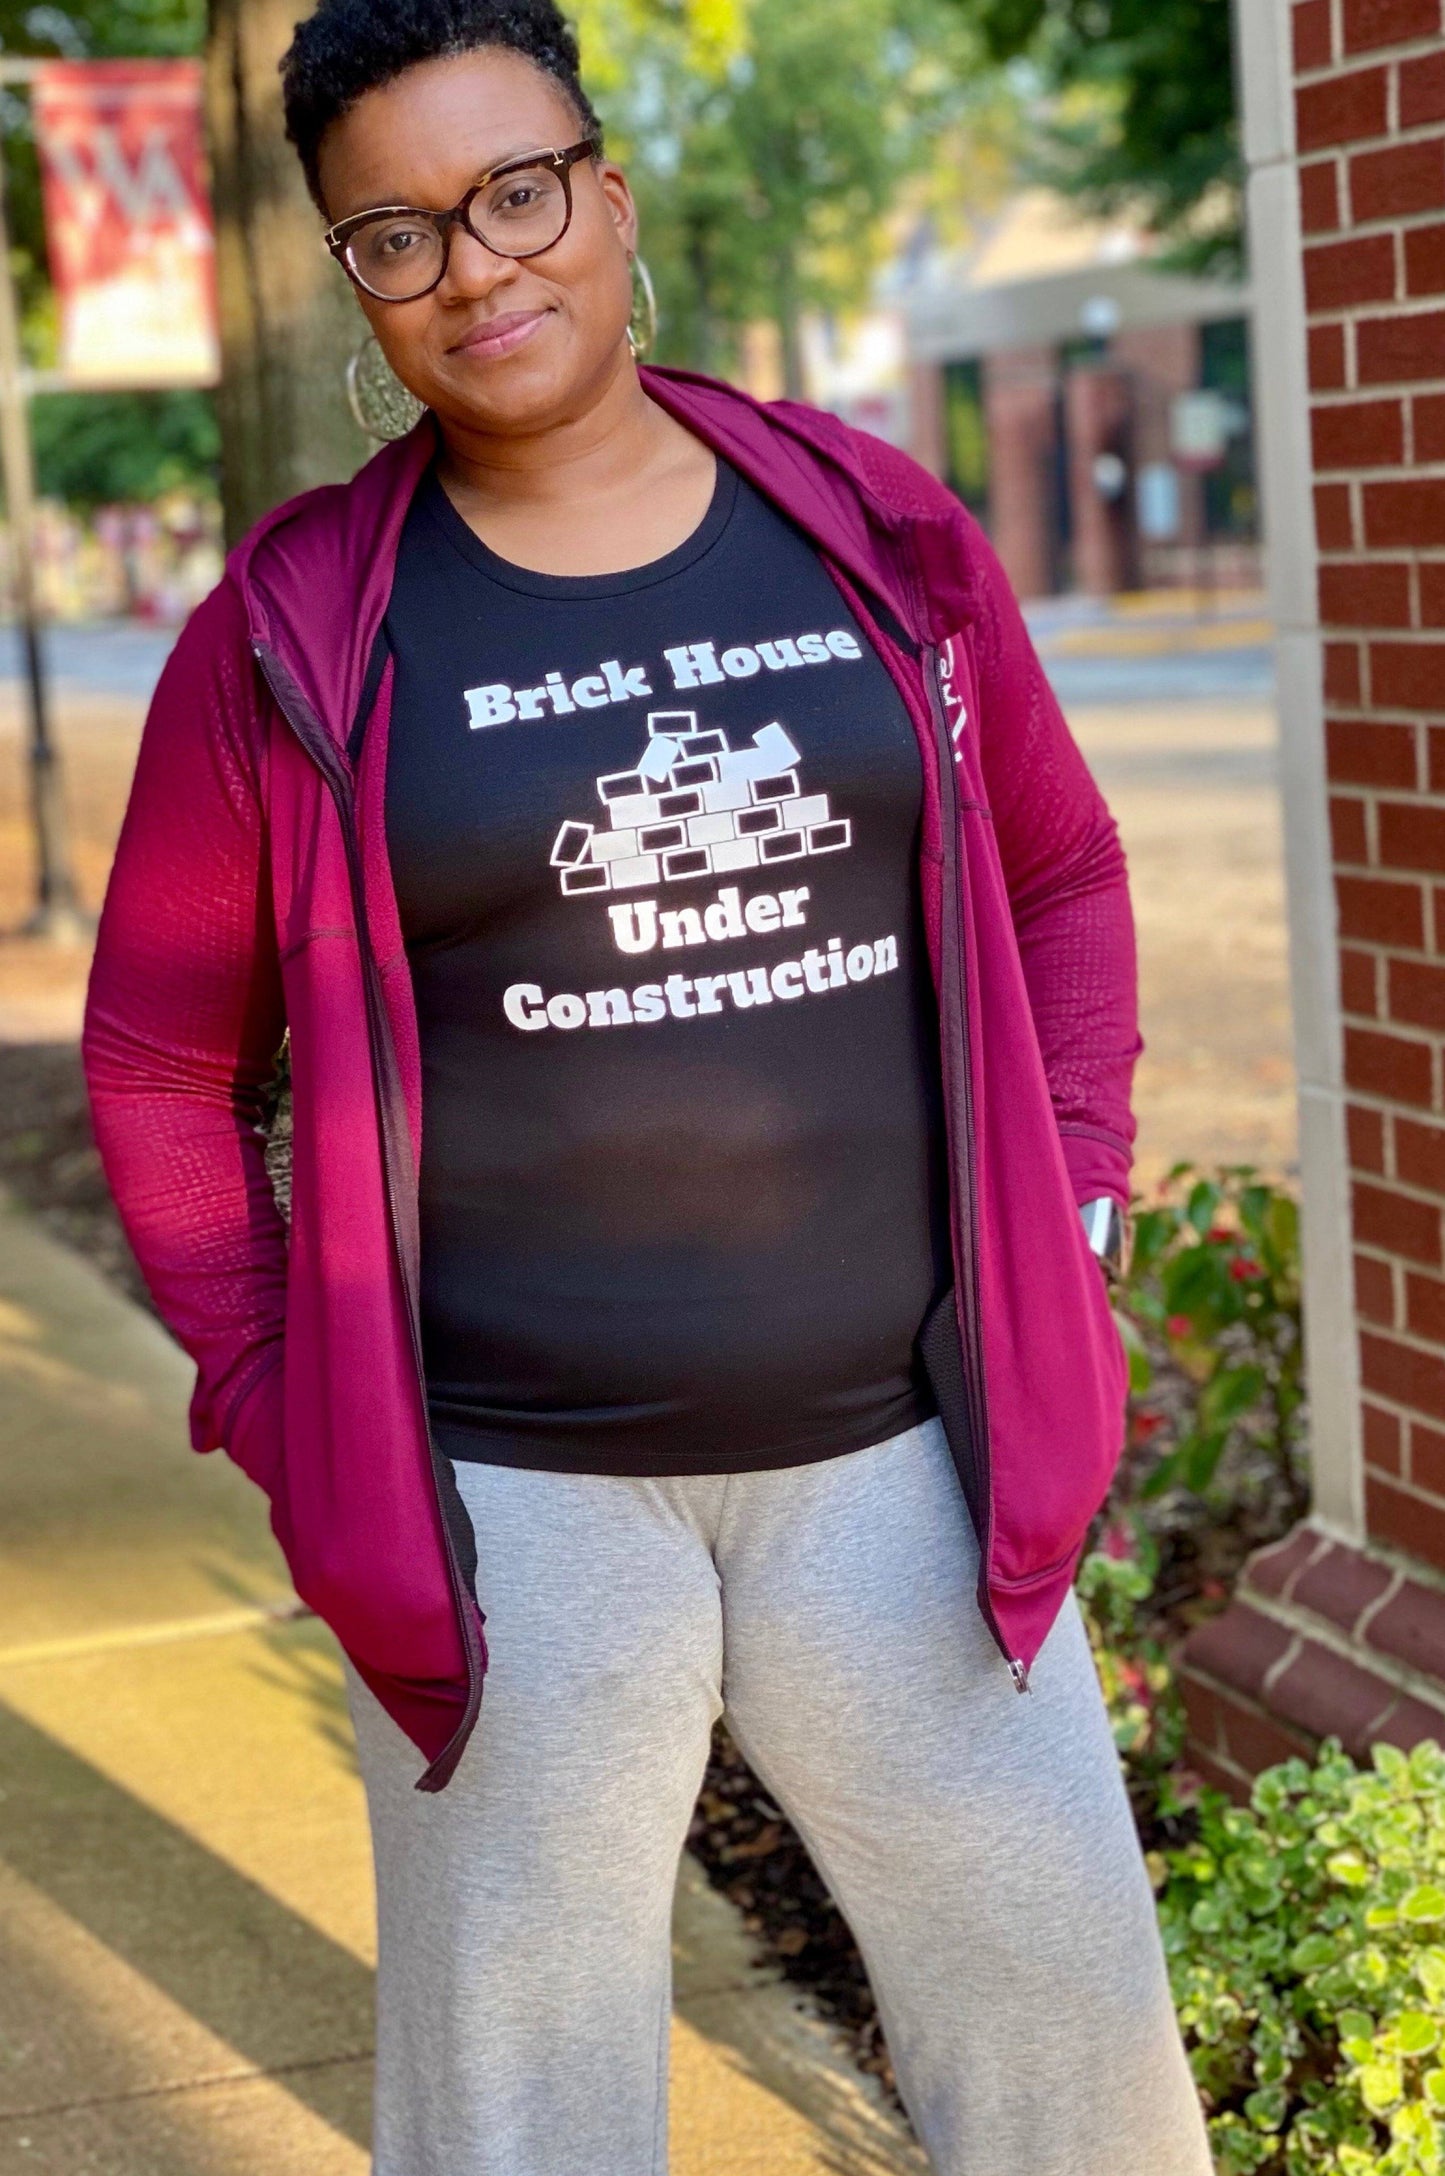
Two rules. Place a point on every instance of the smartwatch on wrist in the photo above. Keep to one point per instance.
(1107, 1230)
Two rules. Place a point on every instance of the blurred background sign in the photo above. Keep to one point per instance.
(128, 221)
(1200, 427)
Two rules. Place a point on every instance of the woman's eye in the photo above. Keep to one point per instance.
(398, 240)
(520, 197)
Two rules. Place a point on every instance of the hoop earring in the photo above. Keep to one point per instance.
(383, 407)
(642, 325)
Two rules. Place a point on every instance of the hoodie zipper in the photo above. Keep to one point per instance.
(396, 1152)
(959, 1108)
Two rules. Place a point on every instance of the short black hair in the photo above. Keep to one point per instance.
(350, 47)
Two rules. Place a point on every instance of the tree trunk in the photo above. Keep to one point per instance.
(288, 321)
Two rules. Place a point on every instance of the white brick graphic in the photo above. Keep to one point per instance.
(730, 793)
(778, 786)
(694, 807)
(634, 811)
(629, 876)
(687, 861)
(830, 838)
(573, 844)
(711, 830)
(658, 759)
(591, 877)
(613, 845)
(735, 854)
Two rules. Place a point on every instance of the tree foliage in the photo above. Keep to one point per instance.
(1142, 109)
(762, 183)
(114, 449)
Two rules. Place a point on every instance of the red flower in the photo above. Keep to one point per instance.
(1245, 1272)
(1145, 1425)
(1179, 1326)
(1219, 1234)
(1118, 1542)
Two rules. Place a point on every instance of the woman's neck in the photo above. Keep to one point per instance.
(613, 487)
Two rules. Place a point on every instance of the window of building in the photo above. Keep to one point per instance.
(965, 433)
(1231, 499)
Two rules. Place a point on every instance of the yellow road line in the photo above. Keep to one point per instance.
(1158, 641)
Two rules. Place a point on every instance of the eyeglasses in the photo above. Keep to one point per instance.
(399, 253)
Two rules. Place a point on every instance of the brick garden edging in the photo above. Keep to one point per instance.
(1322, 1639)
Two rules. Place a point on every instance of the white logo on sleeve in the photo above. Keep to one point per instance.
(697, 807)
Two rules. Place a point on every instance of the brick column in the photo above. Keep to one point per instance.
(1020, 395)
(1099, 412)
(925, 417)
(1343, 1627)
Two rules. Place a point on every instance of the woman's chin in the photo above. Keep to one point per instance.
(511, 396)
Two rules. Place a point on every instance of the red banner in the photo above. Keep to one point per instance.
(128, 221)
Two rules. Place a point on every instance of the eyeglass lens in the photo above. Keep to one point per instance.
(400, 254)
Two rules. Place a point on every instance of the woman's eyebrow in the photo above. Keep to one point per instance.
(408, 203)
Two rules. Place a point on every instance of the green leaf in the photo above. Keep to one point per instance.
(1153, 1230)
(1434, 2084)
(1391, 1763)
(1163, 1476)
(1424, 1904)
(1136, 1352)
(1267, 2109)
(1281, 1230)
(1414, 2126)
(1199, 1456)
(1312, 1954)
(1196, 1284)
(1415, 2033)
(1204, 1200)
(1229, 1393)
(1253, 1206)
(1350, 1869)
(1382, 2086)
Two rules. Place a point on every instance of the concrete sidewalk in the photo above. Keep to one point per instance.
(185, 1889)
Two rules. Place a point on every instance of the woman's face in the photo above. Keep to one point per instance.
(509, 346)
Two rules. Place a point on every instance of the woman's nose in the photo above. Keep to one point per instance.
(473, 270)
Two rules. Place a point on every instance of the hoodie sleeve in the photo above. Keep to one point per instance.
(183, 1024)
(1068, 890)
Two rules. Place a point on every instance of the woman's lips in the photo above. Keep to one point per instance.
(499, 335)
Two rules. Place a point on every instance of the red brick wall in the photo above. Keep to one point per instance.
(1370, 106)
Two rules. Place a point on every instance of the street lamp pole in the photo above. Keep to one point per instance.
(57, 913)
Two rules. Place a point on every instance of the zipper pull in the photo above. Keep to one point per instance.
(1019, 1672)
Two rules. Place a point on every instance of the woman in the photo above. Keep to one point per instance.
(657, 795)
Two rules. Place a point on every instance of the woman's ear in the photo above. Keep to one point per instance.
(619, 203)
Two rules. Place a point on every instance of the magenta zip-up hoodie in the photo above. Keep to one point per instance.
(252, 894)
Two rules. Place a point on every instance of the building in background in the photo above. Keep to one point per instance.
(1055, 382)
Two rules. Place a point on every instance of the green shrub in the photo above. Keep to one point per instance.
(1306, 1944)
(1146, 1713)
(1214, 1287)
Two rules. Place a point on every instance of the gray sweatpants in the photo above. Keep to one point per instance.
(978, 1841)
